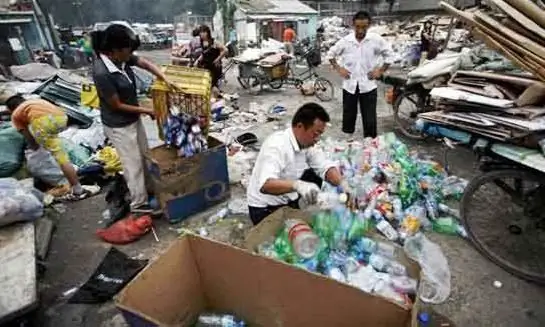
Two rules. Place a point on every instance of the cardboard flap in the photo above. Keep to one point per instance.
(168, 292)
(266, 292)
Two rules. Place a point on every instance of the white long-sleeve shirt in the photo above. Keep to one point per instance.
(281, 157)
(361, 58)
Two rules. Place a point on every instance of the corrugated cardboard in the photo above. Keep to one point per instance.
(196, 275)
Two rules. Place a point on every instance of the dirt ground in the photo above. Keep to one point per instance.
(75, 250)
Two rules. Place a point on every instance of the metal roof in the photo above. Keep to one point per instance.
(274, 7)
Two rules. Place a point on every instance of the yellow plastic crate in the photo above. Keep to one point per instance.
(194, 98)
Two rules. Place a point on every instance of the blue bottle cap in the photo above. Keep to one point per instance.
(424, 317)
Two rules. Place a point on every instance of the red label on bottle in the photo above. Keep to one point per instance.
(297, 229)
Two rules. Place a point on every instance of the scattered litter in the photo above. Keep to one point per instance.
(498, 284)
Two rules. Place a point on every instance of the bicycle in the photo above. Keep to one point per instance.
(410, 100)
(276, 75)
(516, 244)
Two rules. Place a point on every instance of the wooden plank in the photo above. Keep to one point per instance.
(18, 270)
(513, 25)
(530, 9)
(514, 36)
(526, 22)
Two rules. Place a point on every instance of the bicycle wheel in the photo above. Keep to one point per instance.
(405, 115)
(323, 89)
(276, 84)
(243, 82)
(512, 239)
(255, 85)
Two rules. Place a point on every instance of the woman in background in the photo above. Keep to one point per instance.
(212, 54)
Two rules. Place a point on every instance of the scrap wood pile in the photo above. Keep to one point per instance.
(516, 28)
(498, 106)
(505, 107)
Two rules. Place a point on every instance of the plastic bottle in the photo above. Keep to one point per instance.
(222, 213)
(330, 200)
(305, 243)
(387, 230)
(448, 225)
(443, 208)
(404, 284)
(383, 264)
(398, 208)
(213, 320)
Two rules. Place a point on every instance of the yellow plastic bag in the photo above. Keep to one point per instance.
(89, 96)
(111, 160)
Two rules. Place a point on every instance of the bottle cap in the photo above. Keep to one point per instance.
(424, 317)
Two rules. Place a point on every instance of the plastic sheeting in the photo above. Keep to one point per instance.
(42, 165)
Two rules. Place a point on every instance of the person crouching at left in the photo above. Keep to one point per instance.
(40, 122)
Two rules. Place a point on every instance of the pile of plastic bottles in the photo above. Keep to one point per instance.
(216, 320)
(184, 132)
(399, 190)
(334, 244)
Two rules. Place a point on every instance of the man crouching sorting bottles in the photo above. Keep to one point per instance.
(289, 168)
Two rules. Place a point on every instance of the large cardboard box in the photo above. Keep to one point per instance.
(196, 275)
(270, 226)
(186, 186)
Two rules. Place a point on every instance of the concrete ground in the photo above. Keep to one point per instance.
(474, 301)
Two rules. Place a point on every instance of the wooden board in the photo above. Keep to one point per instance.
(529, 9)
(512, 35)
(526, 22)
(17, 270)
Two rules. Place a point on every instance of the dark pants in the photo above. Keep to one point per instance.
(258, 214)
(368, 109)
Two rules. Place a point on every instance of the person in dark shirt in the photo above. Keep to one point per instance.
(425, 41)
(211, 56)
(119, 108)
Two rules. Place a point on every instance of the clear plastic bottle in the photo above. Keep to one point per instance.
(304, 241)
(328, 200)
(387, 230)
(215, 320)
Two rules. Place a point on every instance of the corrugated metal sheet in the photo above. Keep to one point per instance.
(275, 7)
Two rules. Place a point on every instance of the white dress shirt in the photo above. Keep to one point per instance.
(281, 157)
(361, 58)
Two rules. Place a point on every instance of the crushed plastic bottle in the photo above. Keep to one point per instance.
(435, 282)
(215, 320)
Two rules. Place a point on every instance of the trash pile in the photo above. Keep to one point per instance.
(333, 31)
(518, 34)
(395, 193)
(498, 106)
(400, 191)
(20, 202)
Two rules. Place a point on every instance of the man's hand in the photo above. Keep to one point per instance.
(343, 72)
(308, 191)
(217, 62)
(376, 74)
(171, 85)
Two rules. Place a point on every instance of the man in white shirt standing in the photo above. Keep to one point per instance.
(289, 168)
(361, 65)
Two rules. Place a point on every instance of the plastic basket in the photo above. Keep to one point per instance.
(193, 97)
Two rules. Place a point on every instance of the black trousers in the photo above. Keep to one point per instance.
(258, 214)
(368, 109)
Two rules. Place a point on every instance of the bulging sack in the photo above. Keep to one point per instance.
(42, 165)
(18, 202)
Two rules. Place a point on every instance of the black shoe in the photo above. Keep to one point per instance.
(145, 209)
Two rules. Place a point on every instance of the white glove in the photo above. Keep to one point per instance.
(346, 187)
(308, 191)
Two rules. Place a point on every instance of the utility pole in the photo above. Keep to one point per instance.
(78, 4)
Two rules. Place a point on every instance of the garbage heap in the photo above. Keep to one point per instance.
(395, 193)
(513, 27)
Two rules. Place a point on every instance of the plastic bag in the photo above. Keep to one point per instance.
(18, 202)
(12, 148)
(435, 283)
(42, 165)
(78, 154)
